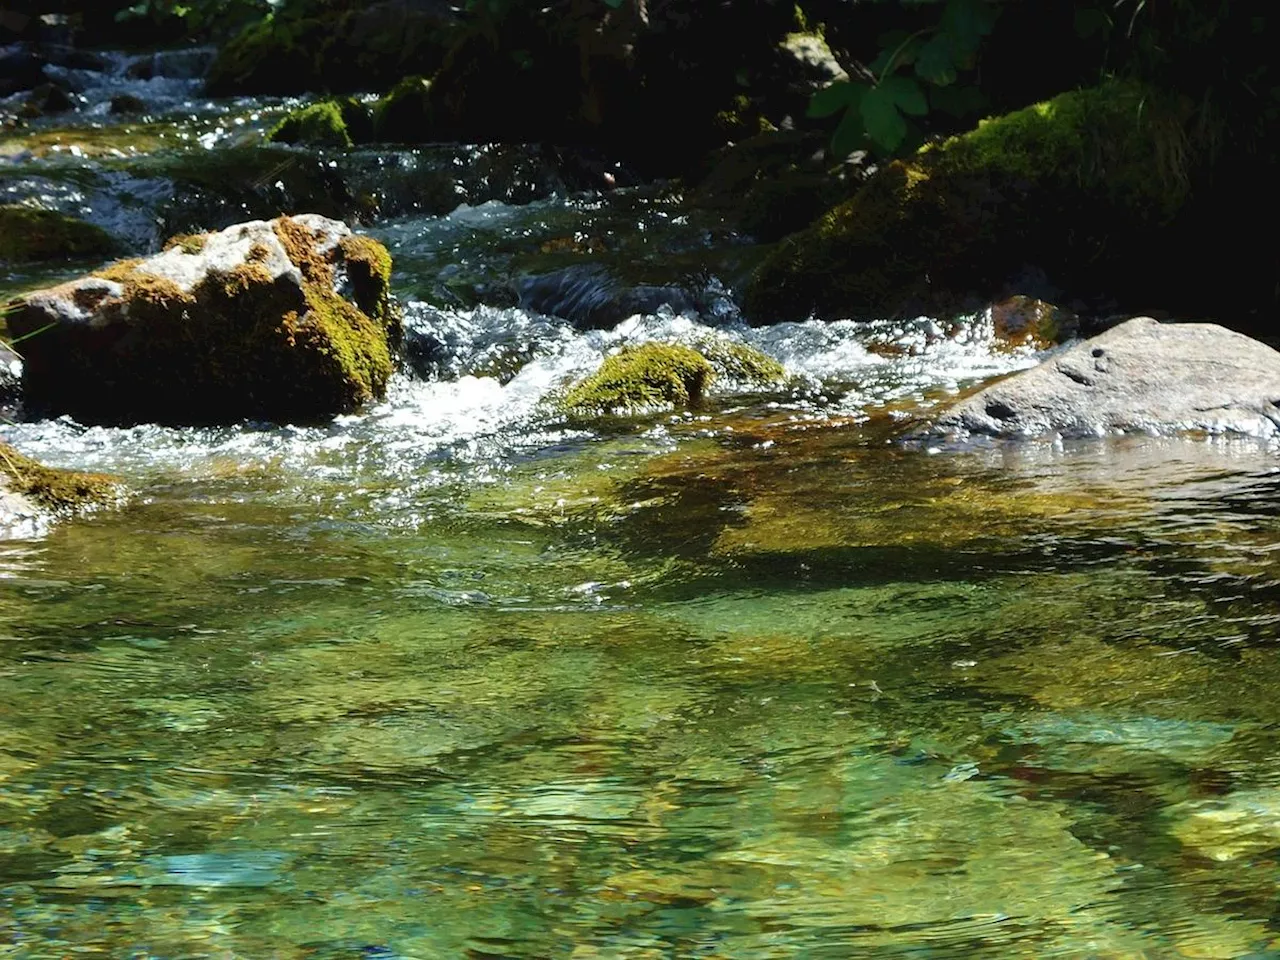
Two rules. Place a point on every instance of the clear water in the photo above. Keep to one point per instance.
(455, 678)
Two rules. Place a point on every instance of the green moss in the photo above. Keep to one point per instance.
(405, 114)
(272, 57)
(240, 344)
(320, 124)
(652, 375)
(330, 123)
(190, 243)
(61, 491)
(1119, 139)
(28, 234)
(742, 119)
(369, 271)
(1053, 184)
(741, 363)
(334, 327)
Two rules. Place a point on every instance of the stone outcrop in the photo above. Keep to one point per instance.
(284, 320)
(1139, 377)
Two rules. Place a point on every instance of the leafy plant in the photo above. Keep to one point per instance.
(915, 72)
(198, 14)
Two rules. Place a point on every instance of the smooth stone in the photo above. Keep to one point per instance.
(1139, 377)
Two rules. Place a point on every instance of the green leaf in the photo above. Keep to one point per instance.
(902, 53)
(958, 101)
(967, 22)
(850, 135)
(840, 95)
(937, 62)
(883, 120)
(137, 10)
(613, 3)
(906, 94)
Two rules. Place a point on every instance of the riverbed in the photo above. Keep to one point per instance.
(458, 677)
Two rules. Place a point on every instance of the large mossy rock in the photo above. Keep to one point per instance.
(1082, 185)
(284, 320)
(343, 46)
(1139, 377)
(772, 184)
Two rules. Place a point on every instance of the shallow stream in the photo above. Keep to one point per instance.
(456, 678)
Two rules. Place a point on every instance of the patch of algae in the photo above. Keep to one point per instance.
(30, 234)
(62, 491)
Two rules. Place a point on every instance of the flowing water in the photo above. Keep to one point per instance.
(455, 677)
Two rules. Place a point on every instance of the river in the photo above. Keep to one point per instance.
(455, 677)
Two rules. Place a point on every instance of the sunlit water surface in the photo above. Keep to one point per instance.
(456, 677)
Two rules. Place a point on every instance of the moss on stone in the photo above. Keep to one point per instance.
(1052, 184)
(61, 491)
(369, 271)
(649, 376)
(263, 58)
(320, 125)
(239, 344)
(189, 243)
(28, 234)
(338, 329)
(330, 123)
(740, 363)
(404, 115)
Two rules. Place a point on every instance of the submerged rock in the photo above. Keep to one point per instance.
(127, 103)
(31, 493)
(1139, 377)
(288, 319)
(29, 234)
(47, 99)
(1025, 321)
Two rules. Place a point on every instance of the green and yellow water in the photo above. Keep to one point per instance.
(450, 678)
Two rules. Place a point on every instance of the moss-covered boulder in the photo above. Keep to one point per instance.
(656, 376)
(284, 320)
(1083, 185)
(340, 46)
(772, 184)
(29, 234)
(404, 114)
(31, 493)
(329, 123)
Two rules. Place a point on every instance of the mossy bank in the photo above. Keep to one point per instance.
(1081, 185)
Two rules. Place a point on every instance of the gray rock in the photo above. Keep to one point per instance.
(1139, 377)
